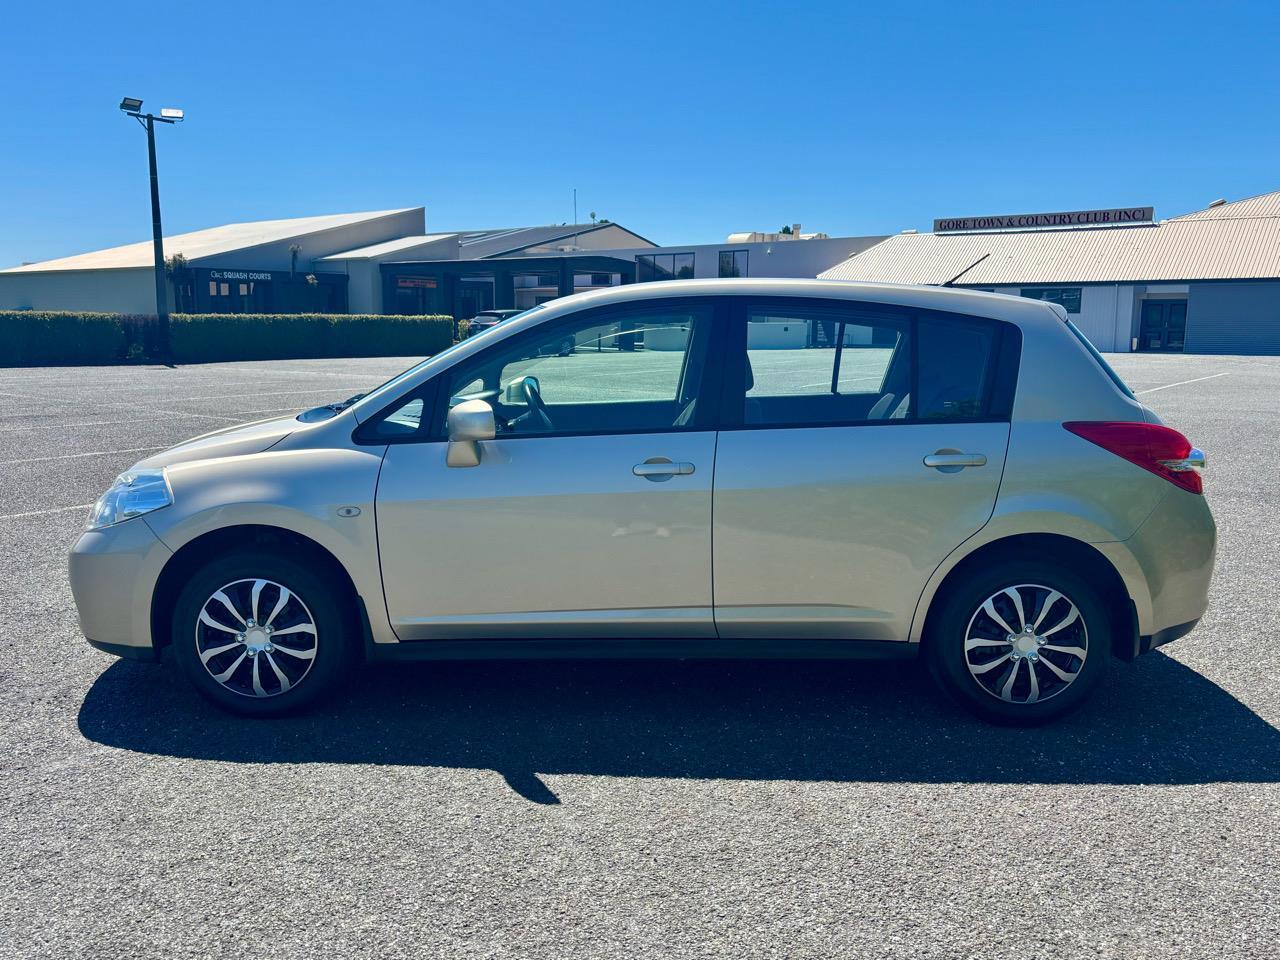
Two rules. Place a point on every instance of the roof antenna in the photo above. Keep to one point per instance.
(966, 270)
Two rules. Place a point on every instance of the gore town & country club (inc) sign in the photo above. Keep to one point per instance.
(1070, 218)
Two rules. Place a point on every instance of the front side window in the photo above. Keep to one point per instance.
(612, 371)
(1068, 297)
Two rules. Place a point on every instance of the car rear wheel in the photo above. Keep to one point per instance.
(1020, 642)
(261, 634)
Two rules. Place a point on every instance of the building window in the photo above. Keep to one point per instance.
(664, 266)
(1069, 297)
(733, 263)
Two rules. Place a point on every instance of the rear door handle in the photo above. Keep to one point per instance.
(950, 461)
(659, 469)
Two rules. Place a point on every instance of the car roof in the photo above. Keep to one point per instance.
(1020, 310)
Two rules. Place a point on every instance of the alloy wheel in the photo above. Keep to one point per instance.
(1026, 643)
(256, 638)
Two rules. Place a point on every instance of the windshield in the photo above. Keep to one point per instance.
(1106, 367)
(380, 392)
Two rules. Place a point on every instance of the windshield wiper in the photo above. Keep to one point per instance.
(342, 405)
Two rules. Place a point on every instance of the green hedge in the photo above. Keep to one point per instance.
(29, 338)
(209, 337)
(32, 338)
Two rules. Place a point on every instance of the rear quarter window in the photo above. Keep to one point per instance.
(1100, 360)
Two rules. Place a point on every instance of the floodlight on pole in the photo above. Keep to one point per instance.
(133, 108)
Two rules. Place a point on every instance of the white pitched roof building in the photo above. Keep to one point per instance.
(1206, 282)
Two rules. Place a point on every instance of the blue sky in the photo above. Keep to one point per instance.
(684, 121)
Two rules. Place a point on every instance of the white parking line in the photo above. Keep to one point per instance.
(1182, 383)
(73, 456)
(45, 513)
(238, 396)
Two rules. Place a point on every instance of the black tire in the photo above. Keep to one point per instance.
(316, 599)
(961, 608)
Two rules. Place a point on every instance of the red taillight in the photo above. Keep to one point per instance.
(1163, 451)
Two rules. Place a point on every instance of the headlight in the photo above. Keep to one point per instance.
(133, 494)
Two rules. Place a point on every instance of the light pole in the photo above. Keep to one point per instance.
(133, 108)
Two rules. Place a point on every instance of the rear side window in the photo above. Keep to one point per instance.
(956, 368)
(813, 366)
(819, 364)
(1098, 358)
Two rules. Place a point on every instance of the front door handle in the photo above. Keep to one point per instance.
(659, 469)
(951, 461)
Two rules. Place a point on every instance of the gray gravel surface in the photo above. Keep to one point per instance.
(622, 809)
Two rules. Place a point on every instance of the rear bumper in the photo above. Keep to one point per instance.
(1167, 568)
(1167, 635)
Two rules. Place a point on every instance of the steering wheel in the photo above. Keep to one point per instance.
(537, 407)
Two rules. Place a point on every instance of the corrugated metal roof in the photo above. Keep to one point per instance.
(1265, 205)
(492, 243)
(376, 250)
(1175, 250)
(212, 242)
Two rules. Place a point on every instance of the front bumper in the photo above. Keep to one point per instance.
(113, 573)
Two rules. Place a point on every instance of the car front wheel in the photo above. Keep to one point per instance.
(1022, 642)
(261, 634)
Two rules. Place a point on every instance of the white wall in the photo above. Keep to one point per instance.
(787, 258)
(106, 291)
(1105, 317)
(364, 286)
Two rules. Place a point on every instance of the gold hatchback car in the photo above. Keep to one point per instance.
(695, 468)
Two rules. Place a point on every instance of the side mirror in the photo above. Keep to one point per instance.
(469, 423)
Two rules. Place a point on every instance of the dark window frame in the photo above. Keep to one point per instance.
(733, 261)
(718, 407)
(650, 259)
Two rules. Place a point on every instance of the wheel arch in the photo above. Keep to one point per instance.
(191, 555)
(1082, 558)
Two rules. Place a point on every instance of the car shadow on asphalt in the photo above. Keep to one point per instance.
(1154, 722)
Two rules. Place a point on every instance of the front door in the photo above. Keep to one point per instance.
(471, 295)
(589, 514)
(1164, 325)
(869, 443)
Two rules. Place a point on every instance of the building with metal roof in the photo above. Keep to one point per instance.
(1205, 282)
(385, 262)
(324, 263)
(262, 267)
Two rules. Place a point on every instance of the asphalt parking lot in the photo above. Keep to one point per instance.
(623, 809)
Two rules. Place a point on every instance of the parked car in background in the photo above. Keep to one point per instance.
(730, 468)
(488, 319)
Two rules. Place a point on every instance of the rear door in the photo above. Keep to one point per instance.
(859, 446)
